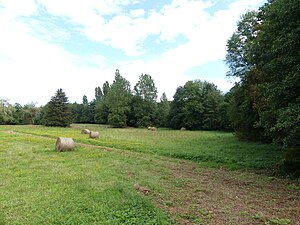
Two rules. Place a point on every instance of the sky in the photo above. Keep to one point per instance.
(77, 45)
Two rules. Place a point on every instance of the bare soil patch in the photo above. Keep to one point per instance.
(219, 196)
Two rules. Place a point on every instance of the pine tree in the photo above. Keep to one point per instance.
(57, 110)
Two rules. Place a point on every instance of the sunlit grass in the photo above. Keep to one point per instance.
(211, 148)
(41, 186)
(94, 184)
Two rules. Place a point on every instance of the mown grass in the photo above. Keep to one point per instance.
(39, 185)
(214, 149)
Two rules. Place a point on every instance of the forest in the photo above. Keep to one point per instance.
(263, 54)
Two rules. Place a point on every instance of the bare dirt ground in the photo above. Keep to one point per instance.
(219, 196)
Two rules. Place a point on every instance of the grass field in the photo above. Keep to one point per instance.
(194, 178)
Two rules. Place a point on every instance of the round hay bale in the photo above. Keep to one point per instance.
(64, 144)
(85, 131)
(94, 134)
(153, 128)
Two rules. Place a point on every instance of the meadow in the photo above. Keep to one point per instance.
(194, 177)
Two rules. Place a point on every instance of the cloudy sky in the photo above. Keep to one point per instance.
(78, 44)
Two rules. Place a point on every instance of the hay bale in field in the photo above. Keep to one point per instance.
(152, 128)
(64, 144)
(182, 128)
(85, 131)
(94, 134)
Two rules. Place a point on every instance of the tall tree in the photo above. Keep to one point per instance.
(91, 111)
(85, 110)
(29, 113)
(98, 94)
(101, 110)
(163, 110)
(239, 55)
(58, 111)
(143, 105)
(177, 115)
(118, 99)
(145, 88)
(241, 61)
(277, 52)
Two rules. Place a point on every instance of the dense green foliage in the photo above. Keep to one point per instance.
(118, 99)
(162, 113)
(196, 106)
(57, 111)
(279, 66)
(264, 54)
(143, 103)
(101, 111)
(83, 113)
(6, 112)
(18, 114)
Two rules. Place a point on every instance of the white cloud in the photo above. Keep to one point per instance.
(33, 67)
(17, 8)
(137, 13)
(128, 31)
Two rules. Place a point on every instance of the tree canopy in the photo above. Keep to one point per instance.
(196, 106)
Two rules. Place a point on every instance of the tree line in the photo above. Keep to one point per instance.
(196, 105)
(264, 105)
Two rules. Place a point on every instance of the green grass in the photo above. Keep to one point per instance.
(214, 149)
(90, 186)
(41, 186)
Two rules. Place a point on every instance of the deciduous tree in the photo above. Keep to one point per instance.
(118, 99)
(143, 105)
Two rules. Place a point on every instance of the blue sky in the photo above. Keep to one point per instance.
(78, 45)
